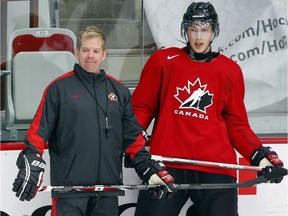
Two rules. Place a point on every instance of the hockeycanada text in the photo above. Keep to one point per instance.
(265, 46)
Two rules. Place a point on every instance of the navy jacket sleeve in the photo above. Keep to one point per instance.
(133, 137)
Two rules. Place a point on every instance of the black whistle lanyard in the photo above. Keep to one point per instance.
(105, 111)
(107, 128)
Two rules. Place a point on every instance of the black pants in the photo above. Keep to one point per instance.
(208, 202)
(87, 206)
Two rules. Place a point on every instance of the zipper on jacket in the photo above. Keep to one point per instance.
(99, 130)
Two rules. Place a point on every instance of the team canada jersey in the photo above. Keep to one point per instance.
(198, 109)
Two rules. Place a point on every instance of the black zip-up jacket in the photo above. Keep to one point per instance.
(88, 123)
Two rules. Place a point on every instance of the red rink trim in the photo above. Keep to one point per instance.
(274, 140)
(246, 176)
(8, 146)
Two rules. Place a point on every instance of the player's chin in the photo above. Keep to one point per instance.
(91, 67)
(200, 48)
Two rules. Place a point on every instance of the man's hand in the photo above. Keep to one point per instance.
(154, 172)
(31, 168)
(268, 159)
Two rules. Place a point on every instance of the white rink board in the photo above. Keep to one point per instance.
(270, 199)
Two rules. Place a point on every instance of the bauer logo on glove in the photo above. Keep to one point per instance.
(31, 168)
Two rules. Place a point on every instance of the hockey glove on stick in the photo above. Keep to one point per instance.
(31, 168)
(154, 172)
(268, 159)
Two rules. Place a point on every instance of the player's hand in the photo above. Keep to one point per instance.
(268, 159)
(154, 172)
(31, 168)
(269, 169)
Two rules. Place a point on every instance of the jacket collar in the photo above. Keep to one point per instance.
(87, 76)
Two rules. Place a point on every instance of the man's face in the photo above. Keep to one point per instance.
(200, 36)
(91, 55)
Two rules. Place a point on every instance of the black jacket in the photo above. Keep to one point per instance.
(88, 123)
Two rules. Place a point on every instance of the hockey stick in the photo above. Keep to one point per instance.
(266, 177)
(206, 163)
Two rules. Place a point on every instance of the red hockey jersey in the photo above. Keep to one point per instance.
(198, 109)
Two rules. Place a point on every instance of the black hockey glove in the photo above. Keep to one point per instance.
(268, 159)
(31, 168)
(153, 172)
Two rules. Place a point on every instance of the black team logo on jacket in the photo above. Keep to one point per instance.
(193, 96)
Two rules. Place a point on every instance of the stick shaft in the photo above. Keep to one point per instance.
(206, 163)
(136, 187)
(266, 177)
(96, 188)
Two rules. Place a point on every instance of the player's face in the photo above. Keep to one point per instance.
(91, 55)
(200, 35)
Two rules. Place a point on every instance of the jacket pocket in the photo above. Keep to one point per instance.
(69, 169)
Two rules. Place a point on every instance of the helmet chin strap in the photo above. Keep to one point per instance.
(199, 56)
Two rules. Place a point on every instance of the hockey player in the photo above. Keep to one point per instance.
(196, 97)
(86, 117)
